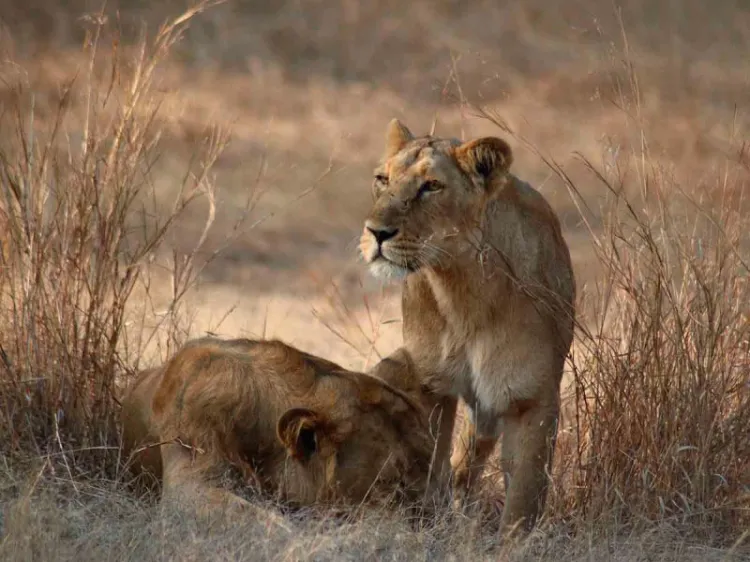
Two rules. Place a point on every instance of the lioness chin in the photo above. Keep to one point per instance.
(488, 301)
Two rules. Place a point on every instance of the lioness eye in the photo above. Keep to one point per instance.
(430, 186)
(381, 178)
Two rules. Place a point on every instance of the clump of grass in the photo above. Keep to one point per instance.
(82, 232)
(662, 392)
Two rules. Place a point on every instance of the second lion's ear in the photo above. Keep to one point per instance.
(484, 159)
(306, 432)
(298, 430)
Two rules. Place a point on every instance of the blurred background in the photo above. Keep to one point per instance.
(307, 87)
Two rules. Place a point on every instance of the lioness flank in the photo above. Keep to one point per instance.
(288, 423)
(488, 301)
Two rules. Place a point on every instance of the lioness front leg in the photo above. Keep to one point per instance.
(526, 456)
(470, 454)
(442, 419)
(187, 478)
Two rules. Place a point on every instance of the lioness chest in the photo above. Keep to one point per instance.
(441, 337)
(477, 340)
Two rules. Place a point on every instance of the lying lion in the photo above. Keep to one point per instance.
(277, 420)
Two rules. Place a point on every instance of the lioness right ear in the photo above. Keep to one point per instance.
(485, 158)
(396, 137)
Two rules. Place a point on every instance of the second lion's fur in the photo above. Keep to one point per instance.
(287, 423)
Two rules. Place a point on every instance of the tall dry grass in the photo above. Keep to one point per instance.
(663, 395)
(83, 239)
(662, 388)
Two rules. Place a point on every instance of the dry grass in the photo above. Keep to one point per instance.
(662, 389)
(81, 240)
(96, 522)
(111, 221)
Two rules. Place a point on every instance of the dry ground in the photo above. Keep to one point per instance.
(97, 524)
(306, 89)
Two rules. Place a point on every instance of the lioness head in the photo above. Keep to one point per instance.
(429, 194)
(373, 444)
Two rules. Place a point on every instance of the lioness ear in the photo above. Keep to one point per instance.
(396, 137)
(298, 430)
(484, 158)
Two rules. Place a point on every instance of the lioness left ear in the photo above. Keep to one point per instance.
(485, 158)
(298, 430)
(397, 136)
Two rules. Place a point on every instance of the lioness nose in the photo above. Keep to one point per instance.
(381, 234)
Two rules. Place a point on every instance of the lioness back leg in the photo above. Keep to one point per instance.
(470, 454)
(526, 456)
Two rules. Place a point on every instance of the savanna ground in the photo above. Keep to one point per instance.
(214, 178)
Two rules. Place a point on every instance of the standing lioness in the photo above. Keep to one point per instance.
(488, 300)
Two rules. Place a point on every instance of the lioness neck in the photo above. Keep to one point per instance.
(470, 288)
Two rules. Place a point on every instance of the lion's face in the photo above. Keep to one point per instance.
(379, 461)
(374, 445)
(429, 194)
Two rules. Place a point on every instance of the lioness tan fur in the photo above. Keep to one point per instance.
(488, 301)
(274, 418)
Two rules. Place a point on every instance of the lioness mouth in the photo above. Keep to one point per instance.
(381, 261)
